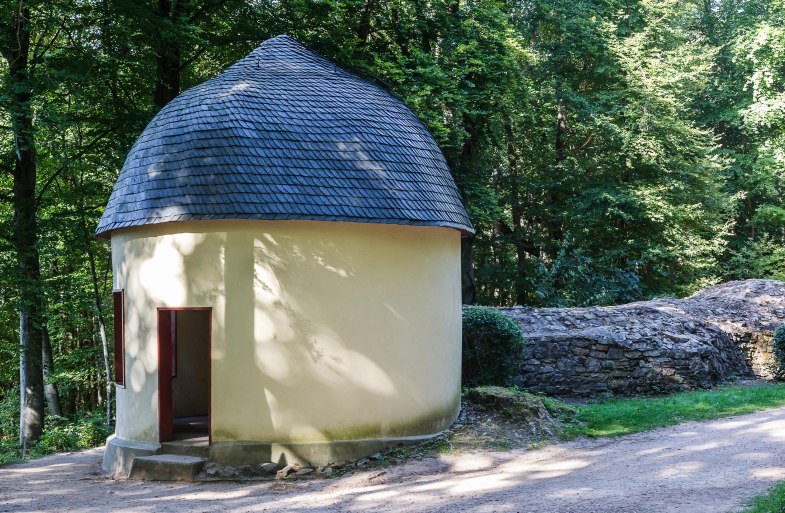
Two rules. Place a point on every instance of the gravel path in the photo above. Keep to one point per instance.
(694, 467)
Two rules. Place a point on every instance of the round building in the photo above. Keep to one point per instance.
(286, 255)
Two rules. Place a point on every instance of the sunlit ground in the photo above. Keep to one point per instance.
(693, 467)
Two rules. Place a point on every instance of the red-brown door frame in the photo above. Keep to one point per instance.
(166, 332)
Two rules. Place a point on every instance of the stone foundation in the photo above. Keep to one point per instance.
(720, 333)
(120, 454)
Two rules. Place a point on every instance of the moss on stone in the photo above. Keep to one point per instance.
(520, 407)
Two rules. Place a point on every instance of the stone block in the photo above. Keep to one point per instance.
(166, 467)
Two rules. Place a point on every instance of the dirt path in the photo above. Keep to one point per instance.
(694, 467)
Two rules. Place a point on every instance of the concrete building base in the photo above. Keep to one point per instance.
(120, 454)
(304, 453)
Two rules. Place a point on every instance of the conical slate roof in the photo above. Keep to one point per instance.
(285, 134)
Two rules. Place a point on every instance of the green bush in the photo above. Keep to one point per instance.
(492, 346)
(779, 352)
(63, 434)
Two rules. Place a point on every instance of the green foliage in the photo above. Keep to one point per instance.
(9, 427)
(492, 344)
(576, 279)
(749, 116)
(86, 430)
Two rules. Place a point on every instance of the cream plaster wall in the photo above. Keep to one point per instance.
(320, 330)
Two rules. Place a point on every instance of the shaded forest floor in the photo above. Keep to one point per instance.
(693, 467)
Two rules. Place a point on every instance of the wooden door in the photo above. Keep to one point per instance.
(166, 339)
(167, 368)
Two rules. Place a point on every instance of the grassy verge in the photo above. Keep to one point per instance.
(624, 416)
(772, 502)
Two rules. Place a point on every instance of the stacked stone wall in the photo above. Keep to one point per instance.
(718, 334)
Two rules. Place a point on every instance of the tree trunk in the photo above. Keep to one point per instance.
(554, 201)
(168, 57)
(101, 328)
(709, 21)
(468, 156)
(364, 27)
(468, 286)
(50, 390)
(518, 230)
(16, 50)
(400, 37)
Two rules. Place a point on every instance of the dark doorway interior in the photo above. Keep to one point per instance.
(184, 391)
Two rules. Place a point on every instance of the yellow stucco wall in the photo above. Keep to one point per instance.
(320, 330)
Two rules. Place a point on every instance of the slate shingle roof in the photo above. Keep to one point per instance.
(285, 134)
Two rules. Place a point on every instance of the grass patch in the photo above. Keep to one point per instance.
(490, 426)
(624, 416)
(772, 502)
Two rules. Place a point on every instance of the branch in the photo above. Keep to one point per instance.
(583, 146)
(195, 56)
(38, 52)
(206, 10)
(62, 168)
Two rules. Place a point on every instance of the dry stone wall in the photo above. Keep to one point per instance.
(748, 311)
(665, 345)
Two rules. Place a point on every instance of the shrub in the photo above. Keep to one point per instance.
(63, 434)
(492, 346)
(779, 352)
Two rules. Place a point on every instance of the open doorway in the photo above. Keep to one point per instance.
(184, 373)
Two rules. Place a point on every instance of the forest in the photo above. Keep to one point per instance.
(607, 151)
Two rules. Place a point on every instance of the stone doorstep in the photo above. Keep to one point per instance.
(166, 467)
(197, 450)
